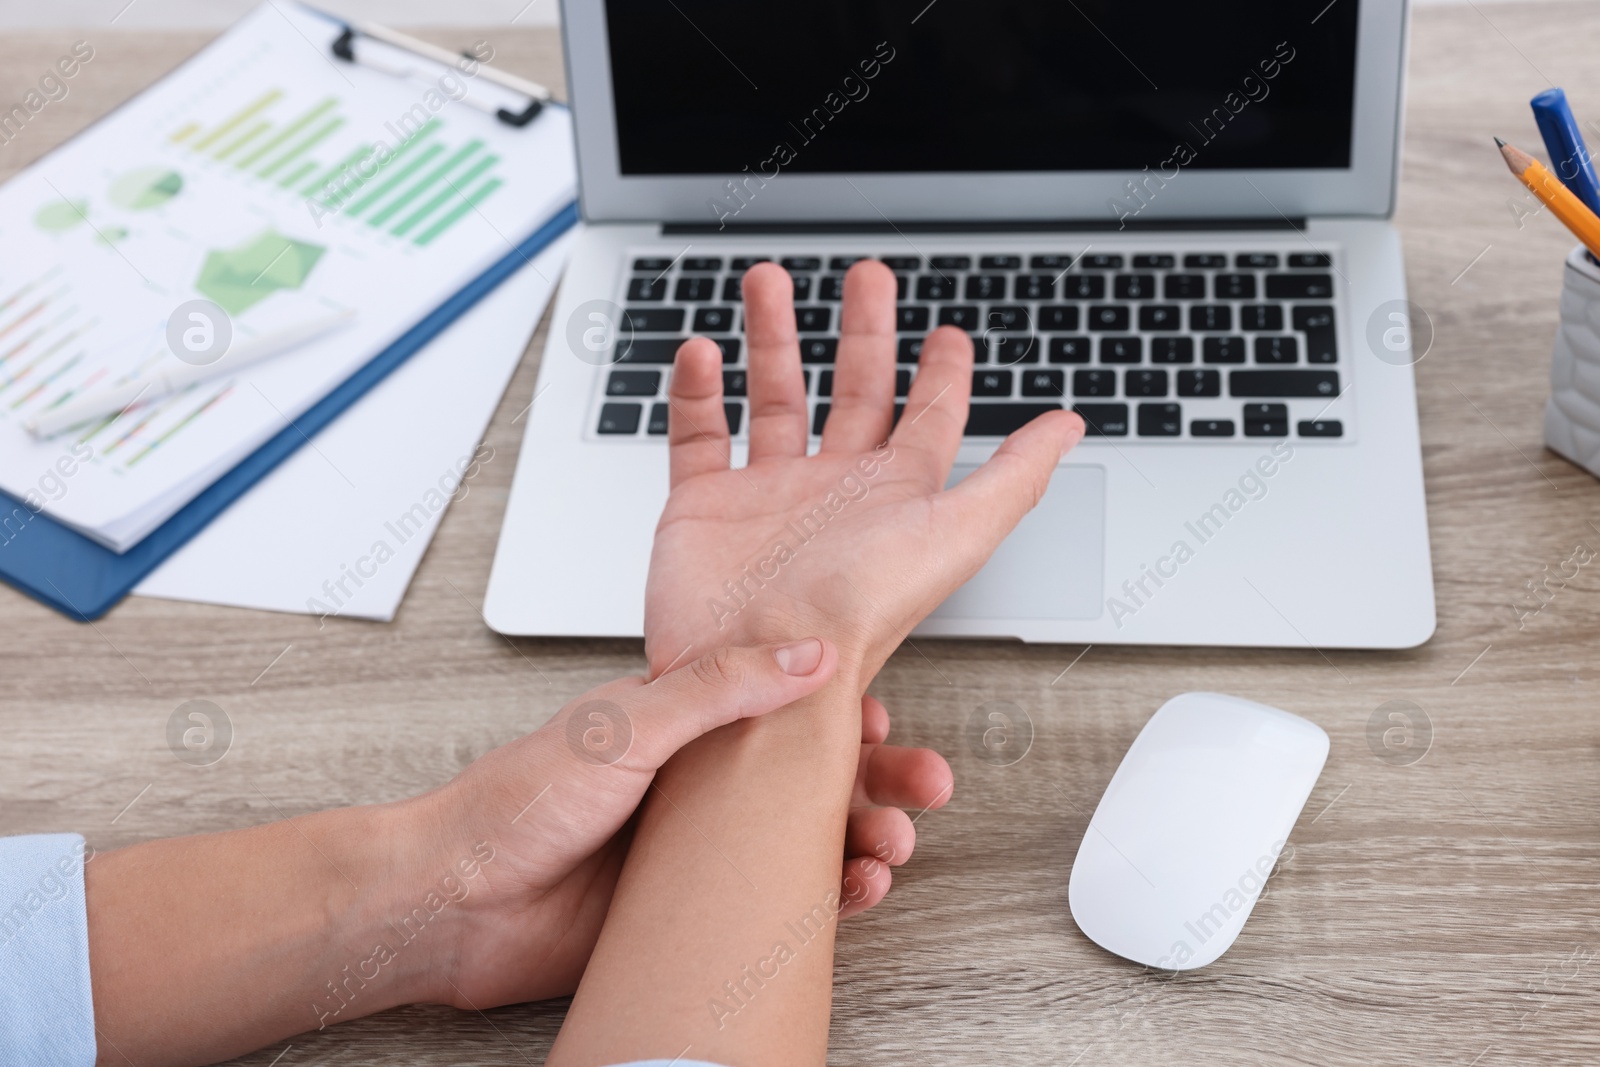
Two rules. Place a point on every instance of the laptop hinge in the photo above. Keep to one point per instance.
(987, 226)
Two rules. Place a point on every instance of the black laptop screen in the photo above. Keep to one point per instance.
(821, 86)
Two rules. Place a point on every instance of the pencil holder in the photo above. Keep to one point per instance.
(1572, 414)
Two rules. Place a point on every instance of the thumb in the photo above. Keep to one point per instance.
(721, 687)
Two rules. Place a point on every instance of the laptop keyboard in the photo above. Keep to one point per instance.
(1149, 345)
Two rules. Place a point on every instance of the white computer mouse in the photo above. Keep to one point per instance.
(1192, 823)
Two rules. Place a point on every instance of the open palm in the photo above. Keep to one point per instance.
(857, 543)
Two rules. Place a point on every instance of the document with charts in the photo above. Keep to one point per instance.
(275, 182)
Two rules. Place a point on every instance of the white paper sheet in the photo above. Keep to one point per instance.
(340, 527)
(252, 177)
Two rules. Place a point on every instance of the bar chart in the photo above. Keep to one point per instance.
(414, 186)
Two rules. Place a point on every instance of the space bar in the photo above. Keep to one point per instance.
(997, 420)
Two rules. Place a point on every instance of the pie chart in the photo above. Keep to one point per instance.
(146, 188)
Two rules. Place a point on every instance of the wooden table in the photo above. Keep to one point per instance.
(1442, 911)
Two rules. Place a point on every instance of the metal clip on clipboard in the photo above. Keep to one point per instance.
(344, 47)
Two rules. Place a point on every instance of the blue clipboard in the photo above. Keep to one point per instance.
(83, 579)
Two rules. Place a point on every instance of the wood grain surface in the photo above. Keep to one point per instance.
(1442, 910)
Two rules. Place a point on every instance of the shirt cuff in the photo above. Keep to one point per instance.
(46, 1002)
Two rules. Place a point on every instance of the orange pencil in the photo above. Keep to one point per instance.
(1555, 196)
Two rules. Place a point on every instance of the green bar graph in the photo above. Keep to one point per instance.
(305, 145)
(321, 181)
(234, 145)
(299, 172)
(388, 184)
(237, 119)
(452, 188)
(287, 132)
(478, 196)
(393, 157)
(422, 186)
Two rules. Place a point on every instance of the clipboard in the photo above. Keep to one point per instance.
(83, 579)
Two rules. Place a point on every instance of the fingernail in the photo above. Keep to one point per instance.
(800, 658)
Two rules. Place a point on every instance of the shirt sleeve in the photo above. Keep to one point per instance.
(46, 1006)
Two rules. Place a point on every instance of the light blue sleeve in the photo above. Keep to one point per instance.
(46, 1007)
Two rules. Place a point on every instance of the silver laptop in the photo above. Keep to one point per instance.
(1175, 221)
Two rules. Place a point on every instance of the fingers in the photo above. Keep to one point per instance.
(883, 833)
(874, 721)
(916, 778)
(936, 411)
(777, 390)
(697, 426)
(990, 501)
(863, 380)
(865, 882)
(642, 727)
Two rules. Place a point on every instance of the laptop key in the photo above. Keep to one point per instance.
(633, 383)
(794, 263)
(901, 262)
(1000, 263)
(1256, 261)
(1048, 262)
(659, 414)
(843, 262)
(1160, 420)
(818, 349)
(1035, 287)
(1321, 347)
(731, 289)
(825, 383)
(802, 286)
(647, 289)
(1287, 383)
(702, 264)
(952, 262)
(819, 419)
(1261, 317)
(695, 288)
(1121, 349)
(730, 348)
(1084, 287)
(1199, 383)
(911, 319)
(998, 420)
(1094, 383)
(1172, 350)
(1144, 383)
(813, 319)
(1101, 261)
(1210, 318)
(1235, 287)
(830, 287)
(650, 350)
(653, 320)
(1211, 428)
(652, 264)
(620, 418)
(1013, 348)
(1277, 350)
(1266, 420)
(991, 383)
(734, 383)
(964, 316)
(1058, 317)
(709, 320)
(902, 383)
(1184, 287)
(1155, 261)
(1222, 349)
(1008, 317)
(1299, 286)
(1108, 317)
(1313, 318)
(1310, 259)
(1320, 428)
(1204, 261)
(933, 287)
(746, 262)
(735, 416)
(1160, 317)
(986, 287)
(1104, 420)
(1044, 383)
(1135, 286)
(1069, 350)
(909, 350)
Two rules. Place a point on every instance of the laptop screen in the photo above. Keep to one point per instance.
(830, 86)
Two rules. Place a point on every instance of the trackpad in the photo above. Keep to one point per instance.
(1053, 564)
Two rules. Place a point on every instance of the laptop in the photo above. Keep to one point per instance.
(1175, 221)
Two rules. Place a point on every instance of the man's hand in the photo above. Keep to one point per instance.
(858, 542)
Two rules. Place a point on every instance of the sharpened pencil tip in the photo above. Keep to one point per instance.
(1499, 142)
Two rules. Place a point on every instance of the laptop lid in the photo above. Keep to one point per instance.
(1100, 111)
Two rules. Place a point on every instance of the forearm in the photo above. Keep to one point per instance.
(202, 948)
(720, 935)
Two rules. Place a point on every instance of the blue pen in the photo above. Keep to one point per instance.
(1569, 156)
